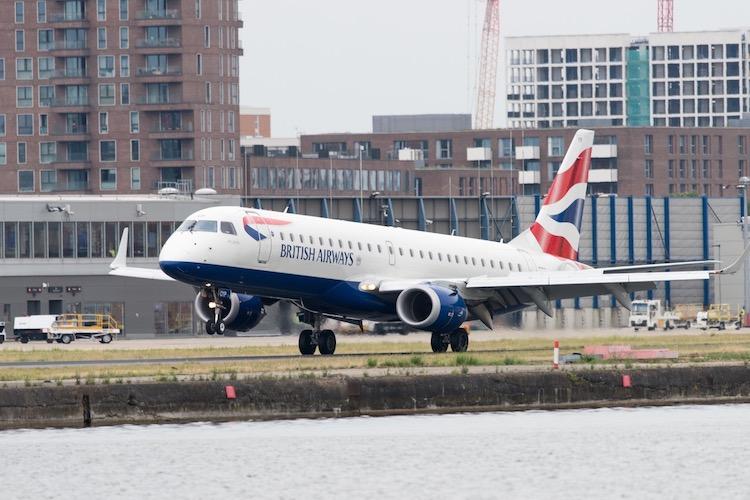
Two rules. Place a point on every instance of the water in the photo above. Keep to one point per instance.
(674, 452)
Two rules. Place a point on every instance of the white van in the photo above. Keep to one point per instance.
(27, 328)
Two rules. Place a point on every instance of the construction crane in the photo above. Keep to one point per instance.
(665, 15)
(487, 81)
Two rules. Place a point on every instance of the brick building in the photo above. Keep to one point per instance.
(628, 161)
(119, 96)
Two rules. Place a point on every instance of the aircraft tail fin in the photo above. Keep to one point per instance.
(557, 228)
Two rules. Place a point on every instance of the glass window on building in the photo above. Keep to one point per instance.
(108, 179)
(53, 240)
(24, 68)
(106, 94)
(41, 11)
(10, 233)
(24, 240)
(25, 180)
(82, 239)
(124, 37)
(173, 318)
(555, 146)
(69, 240)
(111, 238)
(25, 98)
(47, 152)
(20, 41)
(3, 153)
(135, 122)
(152, 239)
(107, 151)
(21, 152)
(40, 240)
(106, 66)
(45, 40)
(139, 240)
(97, 240)
(135, 178)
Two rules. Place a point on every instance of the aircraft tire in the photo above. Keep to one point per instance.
(221, 327)
(327, 342)
(306, 345)
(438, 344)
(459, 340)
(210, 327)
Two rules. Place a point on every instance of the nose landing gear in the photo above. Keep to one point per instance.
(216, 324)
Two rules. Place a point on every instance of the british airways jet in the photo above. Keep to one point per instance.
(240, 260)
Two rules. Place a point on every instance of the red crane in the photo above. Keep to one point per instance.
(487, 81)
(665, 15)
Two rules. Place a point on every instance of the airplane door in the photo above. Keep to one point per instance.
(265, 239)
(391, 253)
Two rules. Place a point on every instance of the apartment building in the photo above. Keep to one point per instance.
(119, 96)
(684, 79)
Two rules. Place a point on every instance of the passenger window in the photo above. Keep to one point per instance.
(369, 247)
(291, 237)
(205, 226)
(501, 264)
(448, 256)
(351, 247)
(359, 245)
(440, 257)
(458, 261)
(401, 251)
(466, 260)
(228, 228)
(390, 250)
(411, 252)
(312, 241)
(483, 263)
(330, 242)
(519, 267)
(380, 249)
(421, 254)
(301, 238)
(320, 238)
(492, 264)
(430, 254)
(473, 261)
(281, 236)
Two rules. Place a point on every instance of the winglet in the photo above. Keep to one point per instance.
(122, 252)
(736, 265)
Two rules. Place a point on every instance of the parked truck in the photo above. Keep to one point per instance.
(721, 317)
(26, 328)
(650, 314)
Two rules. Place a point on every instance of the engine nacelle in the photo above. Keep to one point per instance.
(239, 312)
(432, 308)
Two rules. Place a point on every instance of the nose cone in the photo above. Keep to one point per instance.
(173, 254)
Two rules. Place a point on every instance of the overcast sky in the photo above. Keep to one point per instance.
(329, 65)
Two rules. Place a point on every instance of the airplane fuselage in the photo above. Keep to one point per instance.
(320, 263)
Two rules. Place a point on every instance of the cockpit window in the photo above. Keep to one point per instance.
(186, 225)
(205, 226)
(228, 228)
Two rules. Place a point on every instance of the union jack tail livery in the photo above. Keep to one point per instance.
(557, 228)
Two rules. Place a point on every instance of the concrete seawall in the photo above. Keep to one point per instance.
(270, 398)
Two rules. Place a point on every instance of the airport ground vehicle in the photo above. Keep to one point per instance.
(65, 328)
(2, 332)
(26, 328)
(650, 314)
(719, 316)
(68, 327)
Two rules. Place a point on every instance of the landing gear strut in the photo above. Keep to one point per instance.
(458, 340)
(323, 340)
(216, 324)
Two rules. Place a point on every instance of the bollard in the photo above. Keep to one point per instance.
(626, 381)
(556, 356)
(231, 394)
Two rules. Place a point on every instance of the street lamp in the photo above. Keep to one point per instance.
(743, 186)
(361, 189)
(717, 246)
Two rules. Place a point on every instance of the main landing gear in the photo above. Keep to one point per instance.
(309, 340)
(458, 340)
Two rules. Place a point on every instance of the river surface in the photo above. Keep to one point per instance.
(671, 452)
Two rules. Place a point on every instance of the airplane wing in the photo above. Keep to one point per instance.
(541, 287)
(656, 267)
(119, 266)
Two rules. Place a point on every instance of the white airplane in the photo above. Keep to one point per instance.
(241, 259)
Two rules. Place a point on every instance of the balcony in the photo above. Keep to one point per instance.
(478, 154)
(604, 151)
(65, 134)
(62, 102)
(173, 156)
(527, 153)
(68, 45)
(159, 131)
(603, 175)
(158, 72)
(69, 74)
(158, 15)
(158, 43)
(529, 177)
(65, 17)
(65, 162)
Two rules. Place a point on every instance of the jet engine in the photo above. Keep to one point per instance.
(238, 312)
(432, 308)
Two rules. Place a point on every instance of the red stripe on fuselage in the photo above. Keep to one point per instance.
(576, 174)
(552, 244)
(257, 219)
